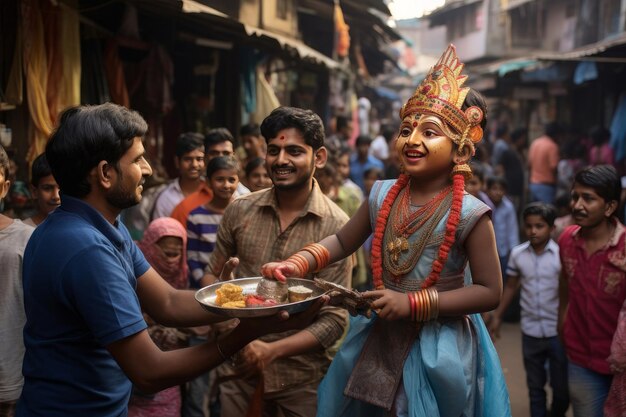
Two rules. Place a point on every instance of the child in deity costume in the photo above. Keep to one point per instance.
(425, 351)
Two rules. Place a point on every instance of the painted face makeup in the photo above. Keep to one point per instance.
(424, 146)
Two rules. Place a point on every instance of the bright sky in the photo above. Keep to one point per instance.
(407, 9)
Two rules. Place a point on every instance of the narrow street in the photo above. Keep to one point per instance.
(509, 347)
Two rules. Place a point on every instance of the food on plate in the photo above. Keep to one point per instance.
(272, 289)
(229, 293)
(299, 293)
(234, 304)
(259, 301)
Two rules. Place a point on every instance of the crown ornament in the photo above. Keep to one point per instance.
(442, 94)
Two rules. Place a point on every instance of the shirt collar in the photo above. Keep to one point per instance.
(551, 246)
(615, 238)
(314, 205)
(94, 217)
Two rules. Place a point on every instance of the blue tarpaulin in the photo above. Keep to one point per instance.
(618, 130)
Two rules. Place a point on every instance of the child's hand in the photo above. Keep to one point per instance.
(494, 326)
(280, 271)
(389, 304)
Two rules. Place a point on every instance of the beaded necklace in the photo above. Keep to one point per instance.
(458, 188)
(421, 223)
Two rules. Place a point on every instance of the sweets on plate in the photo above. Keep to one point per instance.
(229, 293)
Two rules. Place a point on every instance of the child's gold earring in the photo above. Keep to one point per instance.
(463, 169)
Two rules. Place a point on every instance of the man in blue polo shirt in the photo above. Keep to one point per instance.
(86, 283)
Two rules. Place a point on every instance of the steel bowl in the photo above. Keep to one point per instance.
(206, 297)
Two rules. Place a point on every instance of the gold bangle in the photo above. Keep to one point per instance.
(435, 295)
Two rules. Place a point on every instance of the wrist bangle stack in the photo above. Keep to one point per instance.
(424, 304)
(300, 263)
(320, 253)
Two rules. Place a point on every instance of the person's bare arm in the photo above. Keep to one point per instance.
(340, 245)
(153, 370)
(486, 291)
(510, 289)
(169, 306)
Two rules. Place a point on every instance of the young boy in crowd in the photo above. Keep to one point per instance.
(535, 266)
(505, 225)
(14, 235)
(222, 179)
(504, 218)
(189, 161)
(474, 185)
(44, 190)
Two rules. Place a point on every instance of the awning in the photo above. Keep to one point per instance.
(591, 52)
(451, 5)
(503, 66)
(512, 4)
(191, 6)
(303, 51)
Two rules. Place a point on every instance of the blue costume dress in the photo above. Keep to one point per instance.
(452, 368)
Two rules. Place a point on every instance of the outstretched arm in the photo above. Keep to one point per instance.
(340, 245)
(152, 369)
(486, 291)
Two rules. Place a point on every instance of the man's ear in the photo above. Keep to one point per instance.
(462, 156)
(321, 156)
(102, 174)
(610, 208)
(4, 189)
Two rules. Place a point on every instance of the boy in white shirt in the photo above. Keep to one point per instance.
(535, 266)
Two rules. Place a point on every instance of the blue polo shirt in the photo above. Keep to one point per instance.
(80, 276)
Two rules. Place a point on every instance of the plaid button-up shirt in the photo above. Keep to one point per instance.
(250, 230)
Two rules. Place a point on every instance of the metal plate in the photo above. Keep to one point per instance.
(206, 297)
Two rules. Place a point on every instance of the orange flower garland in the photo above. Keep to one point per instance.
(458, 189)
(379, 232)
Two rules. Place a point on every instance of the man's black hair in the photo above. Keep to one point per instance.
(603, 179)
(87, 135)
(39, 169)
(217, 135)
(188, 142)
(306, 122)
(250, 129)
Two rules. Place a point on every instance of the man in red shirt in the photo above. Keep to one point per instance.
(592, 286)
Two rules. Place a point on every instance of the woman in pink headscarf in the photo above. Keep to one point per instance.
(164, 245)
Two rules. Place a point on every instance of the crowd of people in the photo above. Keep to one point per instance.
(425, 220)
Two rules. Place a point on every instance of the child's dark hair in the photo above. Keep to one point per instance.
(363, 140)
(221, 162)
(497, 179)
(40, 169)
(254, 164)
(474, 98)
(603, 179)
(187, 142)
(4, 163)
(546, 211)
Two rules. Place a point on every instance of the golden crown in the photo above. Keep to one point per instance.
(442, 94)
